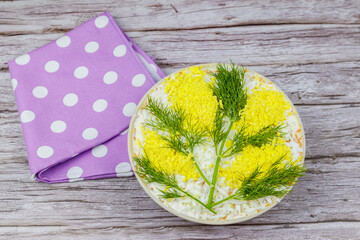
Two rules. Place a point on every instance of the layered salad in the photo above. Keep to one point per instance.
(217, 142)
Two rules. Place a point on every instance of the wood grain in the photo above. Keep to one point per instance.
(309, 48)
(51, 16)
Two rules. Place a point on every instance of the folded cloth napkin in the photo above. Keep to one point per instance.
(75, 98)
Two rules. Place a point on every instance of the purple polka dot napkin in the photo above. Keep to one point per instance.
(75, 98)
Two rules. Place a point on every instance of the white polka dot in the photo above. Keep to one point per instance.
(63, 42)
(22, 60)
(129, 109)
(124, 132)
(70, 99)
(81, 72)
(101, 21)
(99, 151)
(74, 172)
(130, 43)
(40, 92)
(58, 126)
(14, 83)
(100, 105)
(45, 151)
(125, 174)
(138, 80)
(153, 67)
(90, 134)
(27, 116)
(123, 167)
(91, 47)
(119, 51)
(110, 77)
(52, 66)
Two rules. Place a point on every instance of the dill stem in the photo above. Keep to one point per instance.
(201, 173)
(223, 154)
(216, 169)
(203, 204)
(221, 201)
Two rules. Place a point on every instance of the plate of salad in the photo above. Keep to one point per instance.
(216, 143)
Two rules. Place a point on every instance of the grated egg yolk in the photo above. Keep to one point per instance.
(252, 157)
(264, 107)
(190, 91)
(167, 158)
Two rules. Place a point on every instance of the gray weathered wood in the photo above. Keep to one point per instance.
(309, 48)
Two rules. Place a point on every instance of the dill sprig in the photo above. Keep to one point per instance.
(217, 131)
(262, 137)
(265, 135)
(194, 135)
(177, 123)
(183, 134)
(229, 89)
(150, 173)
(166, 119)
(170, 193)
(147, 170)
(232, 96)
(186, 148)
(175, 142)
(273, 182)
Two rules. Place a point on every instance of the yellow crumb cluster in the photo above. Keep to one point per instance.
(251, 157)
(190, 91)
(264, 107)
(167, 158)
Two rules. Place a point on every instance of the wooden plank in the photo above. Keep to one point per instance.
(255, 45)
(346, 230)
(38, 16)
(251, 46)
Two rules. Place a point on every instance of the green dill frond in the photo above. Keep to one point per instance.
(166, 119)
(147, 170)
(150, 173)
(170, 193)
(174, 122)
(229, 89)
(194, 134)
(262, 137)
(273, 183)
(265, 135)
(175, 142)
(217, 132)
(183, 134)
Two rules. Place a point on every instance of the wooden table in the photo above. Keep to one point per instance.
(310, 48)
